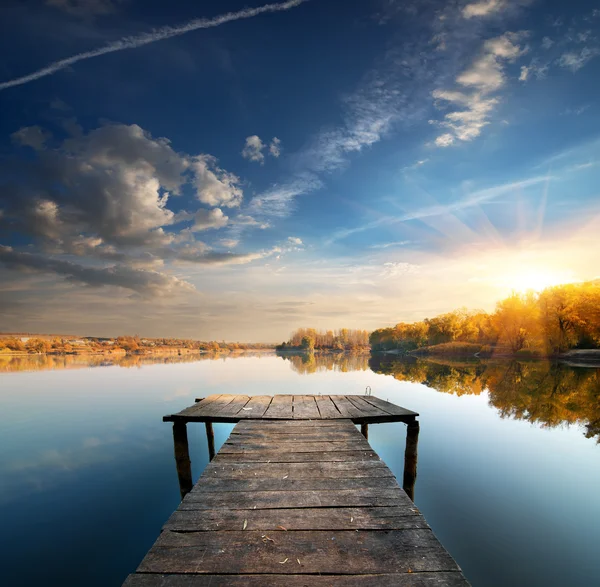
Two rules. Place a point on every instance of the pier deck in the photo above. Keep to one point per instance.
(295, 502)
(233, 408)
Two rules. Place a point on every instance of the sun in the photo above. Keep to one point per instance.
(528, 279)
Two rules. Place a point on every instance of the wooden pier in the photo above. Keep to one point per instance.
(295, 496)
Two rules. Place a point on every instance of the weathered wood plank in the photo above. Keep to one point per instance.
(326, 407)
(256, 407)
(280, 407)
(285, 483)
(367, 518)
(193, 410)
(388, 407)
(293, 436)
(444, 579)
(394, 551)
(241, 500)
(334, 512)
(233, 407)
(313, 470)
(266, 421)
(257, 446)
(305, 408)
(211, 408)
(347, 409)
(364, 406)
(304, 457)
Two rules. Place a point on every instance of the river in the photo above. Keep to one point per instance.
(508, 471)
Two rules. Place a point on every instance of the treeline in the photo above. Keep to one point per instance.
(129, 344)
(309, 339)
(549, 323)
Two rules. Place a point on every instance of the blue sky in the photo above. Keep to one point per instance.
(234, 170)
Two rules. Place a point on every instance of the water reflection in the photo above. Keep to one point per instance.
(541, 392)
(16, 363)
(306, 363)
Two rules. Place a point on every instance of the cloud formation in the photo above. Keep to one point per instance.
(254, 149)
(481, 81)
(146, 283)
(97, 206)
(155, 35)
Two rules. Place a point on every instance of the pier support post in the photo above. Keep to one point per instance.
(182, 458)
(410, 458)
(210, 437)
(364, 430)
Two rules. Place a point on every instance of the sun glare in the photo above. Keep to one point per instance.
(536, 279)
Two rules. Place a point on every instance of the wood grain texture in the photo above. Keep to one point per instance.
(296, 497)
(452, 579)
(296, 408)
(347, 553)
(361, 518)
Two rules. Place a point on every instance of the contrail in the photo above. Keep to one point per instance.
(146, 38)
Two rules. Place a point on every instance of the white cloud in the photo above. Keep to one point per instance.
(275, 147)
(229, 243)
(575, 60)
(103, 198)
(253, 149)
(294, 240)
(547, 42)
(394, 269)
(392, 244)
(484, 77)
(155, 35)
(31, 136)
(214, 186)
(415, 165)
(524, 73)
(278, 201)
(205, 219)
(483, 8)
(444, 140)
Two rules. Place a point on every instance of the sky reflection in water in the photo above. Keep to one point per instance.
(506, 478)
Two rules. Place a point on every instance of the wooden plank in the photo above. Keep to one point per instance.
(449, 579)
(305, 408)
(257, 446)
(314, 470)
(280, 407)
(293, 436)
(347, 409)
(241, 500)
(266, 421)
(304, 457)
(388, 407)
(365, 518)
(348, 553)
(206, 409)
(326, 407)
(285, 483)
(256, 407)
(363, 405)
(192, 410)
(233, 407)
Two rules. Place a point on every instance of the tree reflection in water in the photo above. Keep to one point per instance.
(541, 392)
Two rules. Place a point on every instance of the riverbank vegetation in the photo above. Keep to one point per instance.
(55, 344)
(310, 339)
(532, 324)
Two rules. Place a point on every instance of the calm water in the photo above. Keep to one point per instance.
(508, 477)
